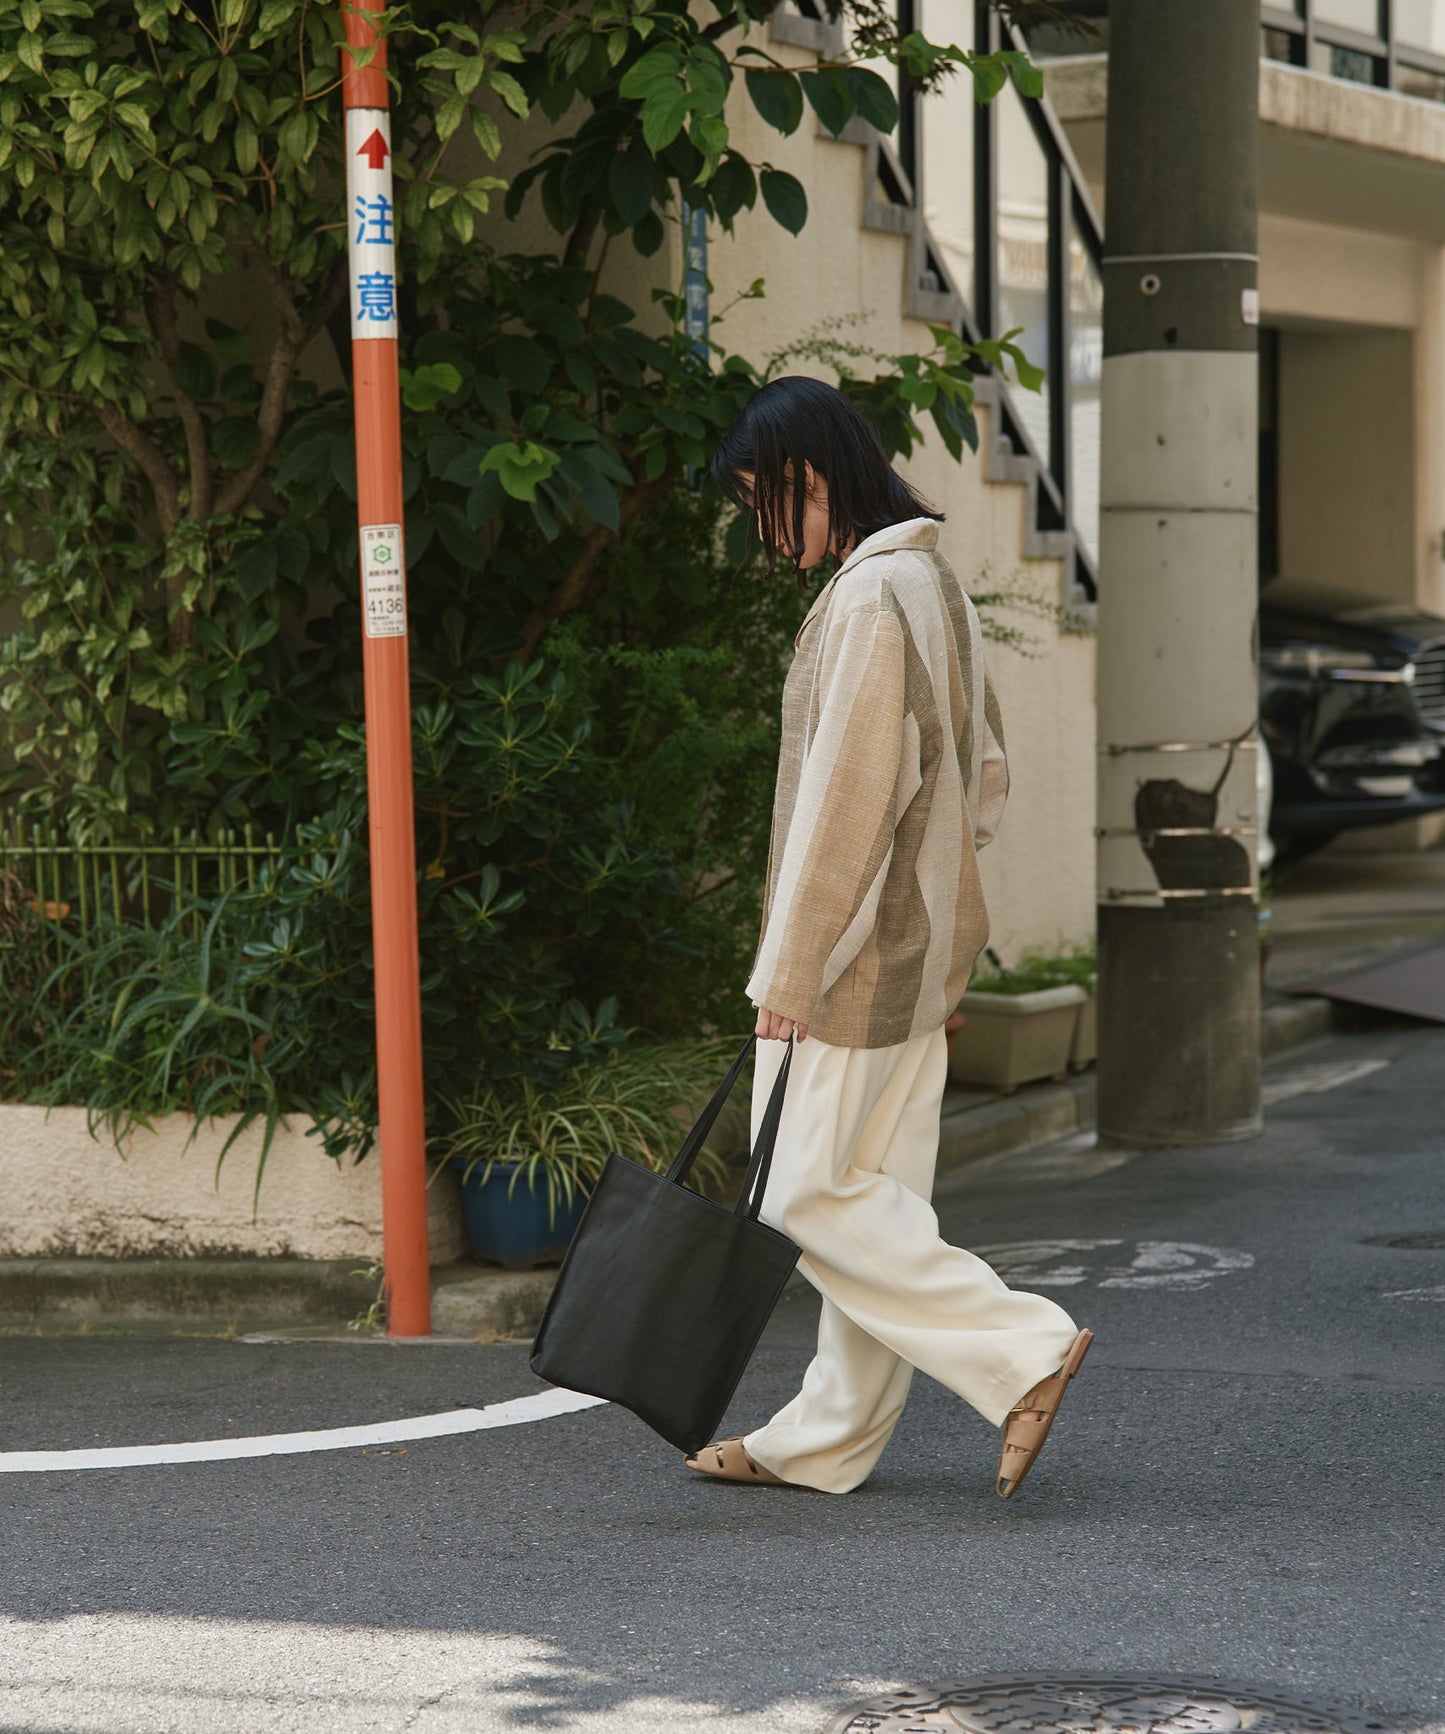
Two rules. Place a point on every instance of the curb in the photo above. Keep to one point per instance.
(302, 1299)
(204, 1296)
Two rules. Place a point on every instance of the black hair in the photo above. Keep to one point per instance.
(793, 421)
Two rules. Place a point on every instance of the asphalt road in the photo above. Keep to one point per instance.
(1247, 1482)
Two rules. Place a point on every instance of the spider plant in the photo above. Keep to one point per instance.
(637, 1101)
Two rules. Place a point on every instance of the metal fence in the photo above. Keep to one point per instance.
(81, 887)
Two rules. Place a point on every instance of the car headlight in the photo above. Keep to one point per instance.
(1329, 662)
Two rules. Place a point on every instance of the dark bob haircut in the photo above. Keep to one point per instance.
(793, 421)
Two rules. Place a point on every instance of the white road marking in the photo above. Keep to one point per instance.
(509, 1414)
(1426, 1294)
(1314, 1080)
(1180, 1265)
(1037, 1260)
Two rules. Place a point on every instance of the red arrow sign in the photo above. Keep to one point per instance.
(375, 151)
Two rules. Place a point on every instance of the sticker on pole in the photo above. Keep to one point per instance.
(372, 216)
(383, 581)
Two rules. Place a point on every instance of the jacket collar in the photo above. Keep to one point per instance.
(911, 533)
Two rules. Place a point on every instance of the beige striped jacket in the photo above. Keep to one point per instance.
(891, 775)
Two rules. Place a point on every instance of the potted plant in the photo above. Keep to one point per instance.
(1032, 1021)
(529, 1154)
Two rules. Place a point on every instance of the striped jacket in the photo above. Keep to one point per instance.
(891, 774)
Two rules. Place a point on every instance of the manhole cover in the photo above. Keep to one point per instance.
(1077, 1704)
(1411, 1242)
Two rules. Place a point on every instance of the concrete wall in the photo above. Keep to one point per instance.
(1430, 433)
(66, 1193)
(1346, 460)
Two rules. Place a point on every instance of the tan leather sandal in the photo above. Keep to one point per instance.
(726, 1460)
(1023, 1429)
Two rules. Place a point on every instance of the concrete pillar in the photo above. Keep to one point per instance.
(1179, 991)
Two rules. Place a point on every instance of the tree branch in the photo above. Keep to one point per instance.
(138, 444)
(292, 339)
(198, 451)
(582, 577)
(579, 242)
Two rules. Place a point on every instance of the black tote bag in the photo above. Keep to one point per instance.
(663, 1293)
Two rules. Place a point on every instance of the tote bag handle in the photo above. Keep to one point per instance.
(750, 1197)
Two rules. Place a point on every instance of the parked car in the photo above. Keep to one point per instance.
(1352, 711)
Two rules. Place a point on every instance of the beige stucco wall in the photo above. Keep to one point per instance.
(1429, 407)
(1346, 444)
(63, 1192)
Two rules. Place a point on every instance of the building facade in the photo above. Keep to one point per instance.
(990, 218)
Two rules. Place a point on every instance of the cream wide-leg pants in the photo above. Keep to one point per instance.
(850, 1183)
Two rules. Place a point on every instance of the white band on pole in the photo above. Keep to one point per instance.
(371, 218)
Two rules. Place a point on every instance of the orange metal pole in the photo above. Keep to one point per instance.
(372, 227)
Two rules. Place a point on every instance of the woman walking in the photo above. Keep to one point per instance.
(891, 775)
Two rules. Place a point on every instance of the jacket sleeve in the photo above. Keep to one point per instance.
(993, 769)
(840, 836)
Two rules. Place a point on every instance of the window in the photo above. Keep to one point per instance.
(1417, 82)
(945, 132)
(1022, 256)
(1361, 16)
(1419, 24)
(1280, 45)
(1086, 368)
(1348, 64)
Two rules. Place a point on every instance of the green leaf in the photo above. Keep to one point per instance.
(449, 115)
(520, 468)
(778, 98)
(658, 65)
(235, 441)
(648, 235)
(274, 13)
(510, 92)
(629, 183)
(600, 499)
(989, 78)
(785, 199)
(245, 145)
(710, 135)
(663, 115)
(1028, 80)
(425, 388)
(1030, 377)
(196, 372)
(873, 98)
(488, 133)
(954, 420)
(733, 186)
(580, 371)
(523, 362)
(831, 98)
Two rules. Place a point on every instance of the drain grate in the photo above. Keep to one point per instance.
(1411, 1242)
(1079, 1704)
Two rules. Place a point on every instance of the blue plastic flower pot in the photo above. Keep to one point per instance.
(508, 1225)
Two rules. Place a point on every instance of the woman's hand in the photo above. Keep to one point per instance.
(774, 1026)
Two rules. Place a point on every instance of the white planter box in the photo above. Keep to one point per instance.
(1015, 1038)
(66, 1194)
(1086, 1035)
